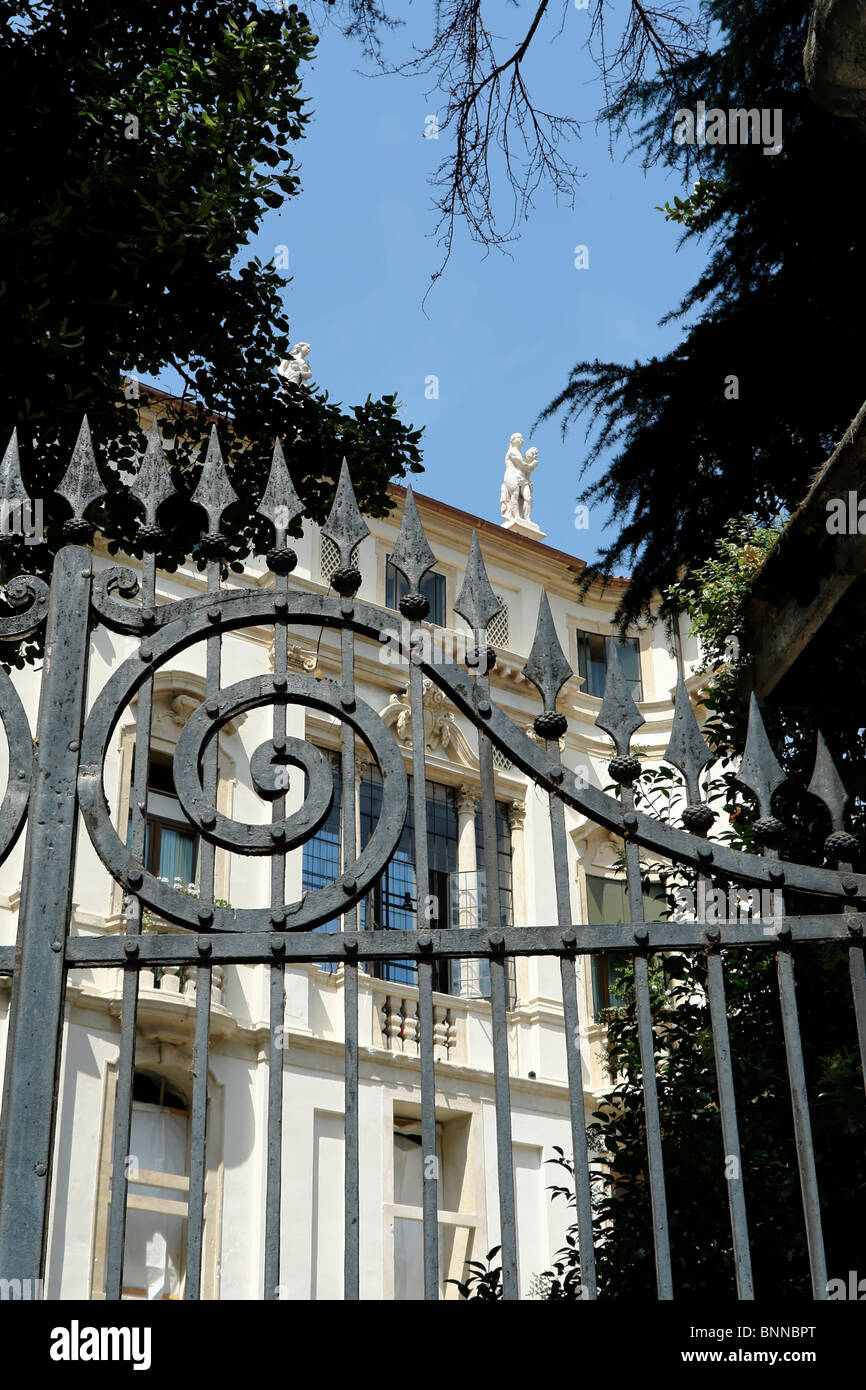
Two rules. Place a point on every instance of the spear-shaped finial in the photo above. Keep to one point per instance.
(80, 485)
(345, 528)
(619, 716)
(548, 670)
(13, 494)
(280, 504)
(152, 486)
(688, 751)
(214, 493)
(760, 772)
(477, 603)
(828, 786)
(12, 487)
(413, 557)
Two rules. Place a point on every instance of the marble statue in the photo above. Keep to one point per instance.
(515, 499)
(295, 369)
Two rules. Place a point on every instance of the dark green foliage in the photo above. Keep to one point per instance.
(142, 146)
(778, 307)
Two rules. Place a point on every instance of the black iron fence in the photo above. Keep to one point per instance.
(56, 777)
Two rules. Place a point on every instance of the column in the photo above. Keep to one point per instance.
(467, 882)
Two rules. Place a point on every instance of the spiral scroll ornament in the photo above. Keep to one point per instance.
(203, 725)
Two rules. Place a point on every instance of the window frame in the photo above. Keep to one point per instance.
(581, 636)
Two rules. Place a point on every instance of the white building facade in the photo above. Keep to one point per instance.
(519, 567)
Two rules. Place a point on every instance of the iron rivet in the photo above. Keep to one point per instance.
(347, 702)
(496, 941)
(281, 603)
(484, 709)
(278, 834)
(641, 935)
(207, 819)
(214, 614)
(86, 574)
(21, 772)
(279, 682)
(145, 654)
(56, 946)
(131, 948)
(855, 927)
(849, 884)
(556, 774)
(349, 885)
(40, 1169)
(777, 873)
(279, 745)
(425, 942)
(135, 878)
(350, 947)
(705, 852)
(205, 916)
(713, 934)
(142, 806)
(212, 708)
(278, 948)
(73, 746)
(205, 947)
(569, 938)
(629, 820)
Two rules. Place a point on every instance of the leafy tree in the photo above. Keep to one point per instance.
(739, 415)
(142, 145)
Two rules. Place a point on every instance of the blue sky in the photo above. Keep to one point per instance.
(500, 333)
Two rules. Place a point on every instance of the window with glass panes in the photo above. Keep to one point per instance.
(607, 901)
(391, 906)
(171, 846)
(592, 663)
(432, 587)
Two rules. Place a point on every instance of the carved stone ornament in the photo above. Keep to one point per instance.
(442, 733)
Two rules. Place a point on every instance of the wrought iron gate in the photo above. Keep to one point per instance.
(58, 774)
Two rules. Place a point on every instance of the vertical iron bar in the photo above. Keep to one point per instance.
(727, 1107)
(655, 1157)
(273, 1195)
(129, 1003)
(800, 1111)
(857, 968)
(571, 1022)
(351, 1289)
(203, 978)
(351, 1252)
(36, 1010)
(802, 1124)
(498, 991)
(430, 1169)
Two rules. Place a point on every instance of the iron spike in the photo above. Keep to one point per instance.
(476, 602)
(152, 483)
(687, 749)
(81, 483)
(214, 492)
(280, 503)
(546, 665)
(345, 526)
(412, 555)
(619, 716)
(759, 770)
(12, 487)
(827, 785)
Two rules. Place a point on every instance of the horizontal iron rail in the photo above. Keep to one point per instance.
(248, 947)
